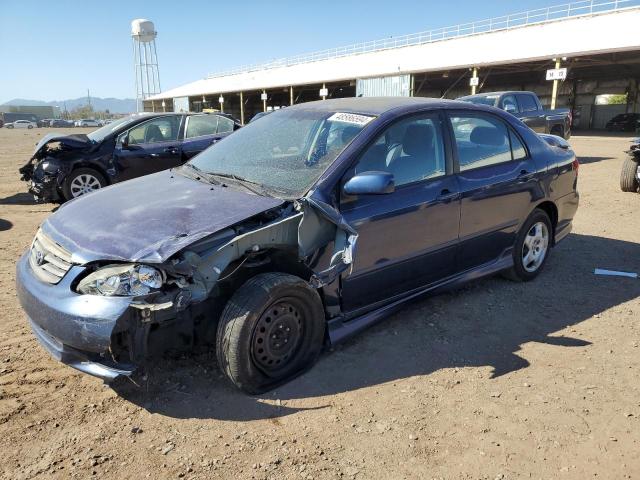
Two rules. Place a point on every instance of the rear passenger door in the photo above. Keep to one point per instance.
(408, 238)
(498, 182)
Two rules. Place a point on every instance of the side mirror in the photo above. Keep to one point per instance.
(511, 108)
(370, 183)
(124, 141)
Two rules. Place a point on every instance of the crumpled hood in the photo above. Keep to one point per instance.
(78, 141)
(149, 218)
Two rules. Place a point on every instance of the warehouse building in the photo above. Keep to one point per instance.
(592, 46)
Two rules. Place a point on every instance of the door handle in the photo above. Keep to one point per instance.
(215, 140)
(171, 150)
(154, 155)
(525, 176)
(447, 195)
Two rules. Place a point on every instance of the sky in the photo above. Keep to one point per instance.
(56, 50)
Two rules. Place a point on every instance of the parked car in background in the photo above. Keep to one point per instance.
(60, 123)
(527, 107)
(44, 122)
(21, 124)
(260, 115)
(625, 122)
(630, 174)
(309, 225)
(63, 167)
(87, 122)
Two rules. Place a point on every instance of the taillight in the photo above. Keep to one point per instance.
(576, 164)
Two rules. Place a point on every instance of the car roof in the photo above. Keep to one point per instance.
(372, 105)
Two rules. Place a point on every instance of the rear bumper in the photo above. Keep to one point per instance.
(75, 329)
(567, 208)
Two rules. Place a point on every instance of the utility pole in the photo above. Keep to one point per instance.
(474, 81)
(88, 98)
(554, 91)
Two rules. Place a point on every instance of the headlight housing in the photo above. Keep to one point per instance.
(49, 167)
(129, 280)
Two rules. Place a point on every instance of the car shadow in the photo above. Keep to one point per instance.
(5, 225)
(22, 198)
(585, 160)
(483, 324)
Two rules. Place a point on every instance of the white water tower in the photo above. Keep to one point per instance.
(145, 60)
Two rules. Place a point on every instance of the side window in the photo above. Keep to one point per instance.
(517, 147)
(200, 125)
(527, 102)
(481, 140)
(509, 104)
(411, 149)
(225, 125)
(162, 129)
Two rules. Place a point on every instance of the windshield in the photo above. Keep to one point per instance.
(285, 152)
(101, 133)
(481, 99)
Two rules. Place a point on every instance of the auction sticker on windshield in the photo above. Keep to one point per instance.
(353, 118)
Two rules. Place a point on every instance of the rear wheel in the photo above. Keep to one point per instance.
(532, 246)
(82, 181)
(29, 127)
(270, 331)
(628, 178)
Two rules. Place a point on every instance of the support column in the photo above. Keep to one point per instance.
(474, 76)
(412, 84)
(264, 100)
(241, 108)
(291, 95)
(324, 97)
(554, 91)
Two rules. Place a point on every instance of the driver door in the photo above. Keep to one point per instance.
(149, 147)
(407, 239)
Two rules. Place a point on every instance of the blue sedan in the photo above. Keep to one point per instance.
(297, 231)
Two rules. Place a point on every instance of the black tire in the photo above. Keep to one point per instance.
(9, 127)
(628, 180)
(247, 349)
(67, 185)
(521, 272)
(29, 127)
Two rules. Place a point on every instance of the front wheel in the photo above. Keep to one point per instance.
(532, 246)
(628, 176)
(270, 331)
(82, 181)
(30, 127)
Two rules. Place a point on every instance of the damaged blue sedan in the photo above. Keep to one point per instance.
(297, 231)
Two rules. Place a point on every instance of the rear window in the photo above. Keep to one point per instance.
(482, 99)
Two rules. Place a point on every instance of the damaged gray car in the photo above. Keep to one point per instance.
(297, 231)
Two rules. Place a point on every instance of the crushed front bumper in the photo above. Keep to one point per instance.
(75, 329)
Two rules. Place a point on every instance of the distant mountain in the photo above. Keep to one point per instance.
(114, 105)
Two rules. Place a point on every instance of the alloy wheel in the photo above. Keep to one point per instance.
(535, 246)
(83, 184)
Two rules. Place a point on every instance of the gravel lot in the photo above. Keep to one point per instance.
(496, 380)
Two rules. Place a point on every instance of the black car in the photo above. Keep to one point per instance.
(63, 167)
(625, 122)
(302, 228)
(527, 107)
(60, 123)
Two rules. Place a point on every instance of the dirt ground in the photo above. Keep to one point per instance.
(497, 380)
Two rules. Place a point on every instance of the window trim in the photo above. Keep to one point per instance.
(186, 125)
(478, 113)
(438, 113)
